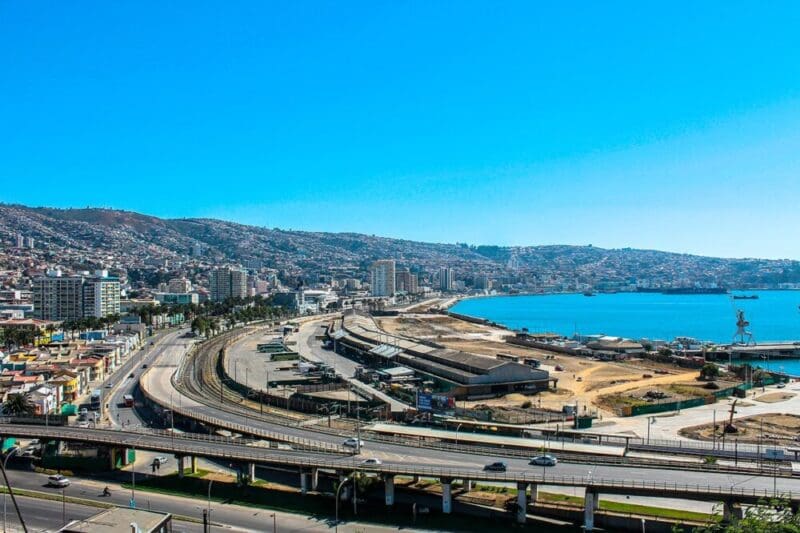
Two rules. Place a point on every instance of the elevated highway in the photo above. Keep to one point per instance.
(166, 383)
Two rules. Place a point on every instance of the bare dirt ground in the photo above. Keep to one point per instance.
(580, 379)
(753, 429)
(775, 397)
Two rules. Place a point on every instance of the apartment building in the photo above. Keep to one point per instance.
(382, 277)
(227, 283)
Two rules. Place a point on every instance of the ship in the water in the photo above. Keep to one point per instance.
(694, 290)
(589, 293)
(745, 296)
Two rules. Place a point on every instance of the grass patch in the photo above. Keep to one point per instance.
(632, 508)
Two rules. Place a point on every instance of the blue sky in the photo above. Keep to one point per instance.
(611, 123)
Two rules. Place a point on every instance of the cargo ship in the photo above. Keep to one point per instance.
(694, 290)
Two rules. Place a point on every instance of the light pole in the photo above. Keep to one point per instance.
(274, 523)
(5, 462)
(208, 513)
(133, 474)
(338, 490)
(457, 428)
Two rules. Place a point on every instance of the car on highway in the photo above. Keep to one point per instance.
(353, 442)
(160, 460)
(372, 461)
(497, 466)
(108, 385)
(144, 365)
(544, 460)
(781, 385)
(83, 424)
(131, 375)
(57, 480)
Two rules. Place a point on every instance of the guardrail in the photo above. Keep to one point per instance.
(187, 446)
(678, 446)
(297, 442)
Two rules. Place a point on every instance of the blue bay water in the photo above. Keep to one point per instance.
(773, 317)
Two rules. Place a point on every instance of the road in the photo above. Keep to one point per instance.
(43, 514)
(309, 348)
(158, 379)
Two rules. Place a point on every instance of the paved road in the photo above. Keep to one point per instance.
(42, 514)
(311, 349)
(159, 380)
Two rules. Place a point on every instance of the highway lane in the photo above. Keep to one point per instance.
(41, 514)
(393, 454)
(124, 384)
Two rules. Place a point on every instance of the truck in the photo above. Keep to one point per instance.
(128, 400)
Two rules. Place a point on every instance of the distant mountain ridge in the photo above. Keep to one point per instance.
(137, 235)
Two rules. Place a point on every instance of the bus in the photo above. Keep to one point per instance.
(128, 400)
(96, 399)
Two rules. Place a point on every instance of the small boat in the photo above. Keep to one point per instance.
(745, 297)
(589, 293)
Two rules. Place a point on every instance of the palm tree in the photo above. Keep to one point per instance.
(18, 404)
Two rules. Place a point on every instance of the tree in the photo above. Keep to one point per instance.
(769, 517)
(709, 372)
(18, 404)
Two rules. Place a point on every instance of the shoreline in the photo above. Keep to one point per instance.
(455, 301)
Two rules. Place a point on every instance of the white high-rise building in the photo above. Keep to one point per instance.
(227, 283)
(20, 240)
(101, 296)
(382, 277)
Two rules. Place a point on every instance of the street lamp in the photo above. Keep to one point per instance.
(274, 523)
(338, 489)
(208, 509)
(457, 428)
(5, 462)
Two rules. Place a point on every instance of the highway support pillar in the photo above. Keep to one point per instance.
(414, 479)
(125, 455)
(731, 511)
(468, 483)
(181, 465)
(534, 493)
(251, 472)
(522, 502)
(193, 463)
(304, 482)
(588, 509)
(388, 481)
(315, 479)
(447, 495)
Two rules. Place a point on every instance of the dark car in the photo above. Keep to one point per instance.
(498, 466)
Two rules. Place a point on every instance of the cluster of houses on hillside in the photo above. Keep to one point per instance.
(61, 371)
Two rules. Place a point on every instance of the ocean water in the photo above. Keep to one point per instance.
(775, 316)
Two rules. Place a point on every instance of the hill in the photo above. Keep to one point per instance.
(133, 237)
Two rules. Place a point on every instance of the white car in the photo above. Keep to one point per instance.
(544, 460)
(160, 460)
(58, 480)
(371, 462)
(352, 442)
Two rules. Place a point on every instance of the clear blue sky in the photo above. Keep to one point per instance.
(670, 126)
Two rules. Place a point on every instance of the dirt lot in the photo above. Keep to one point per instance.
(754, 429)
(580, 379)
(660, 390)
(775, 397)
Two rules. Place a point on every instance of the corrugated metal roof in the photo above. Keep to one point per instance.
(386, 351)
